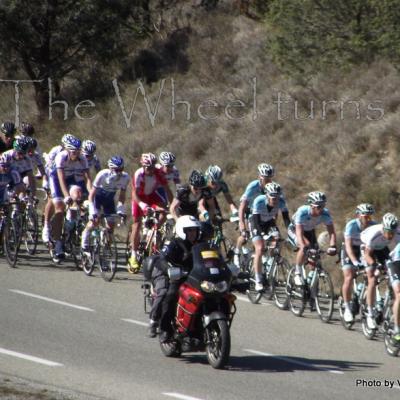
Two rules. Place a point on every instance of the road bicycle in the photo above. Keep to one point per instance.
(102, 252)
(316, 287)
(275, 269)
(30, 224)
(9, 235)
(220, 241)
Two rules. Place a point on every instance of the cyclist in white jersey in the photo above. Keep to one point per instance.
(102, 196)
(265, 174)
(351, 252)
(263, 222)
(377, 239)
(89, 151)
(167, 165)
(301, 231)
(394, 275)
(68, 164)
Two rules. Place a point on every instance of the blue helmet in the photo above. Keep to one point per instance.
(88, 147)
(71, 142)
(115, 162)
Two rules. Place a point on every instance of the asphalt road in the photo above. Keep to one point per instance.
(80, 334)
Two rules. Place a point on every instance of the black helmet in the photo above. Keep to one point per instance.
(27, 129)
(197, 179)
(21, 144)
(8, 128)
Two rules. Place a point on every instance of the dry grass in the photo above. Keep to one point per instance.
(353, 160)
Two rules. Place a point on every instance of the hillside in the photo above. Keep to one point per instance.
(217, 98)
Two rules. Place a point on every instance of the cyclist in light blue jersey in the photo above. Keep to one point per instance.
(377, 239)
(351, 252)
(263, 222)
(394, 275)
(265, 174)
(301, 231)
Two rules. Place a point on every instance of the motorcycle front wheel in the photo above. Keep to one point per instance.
(171, 349)
(218, 344)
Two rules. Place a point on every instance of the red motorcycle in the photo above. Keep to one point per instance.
(205, 309)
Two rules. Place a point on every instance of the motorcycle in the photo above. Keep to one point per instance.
(205, 309)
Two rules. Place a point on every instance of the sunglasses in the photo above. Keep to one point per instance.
(117, 169)
(317, 206)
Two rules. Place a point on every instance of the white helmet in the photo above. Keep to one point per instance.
(184, 222)
(390, 222)
(365, 209)
(273, 189)
(316, 198)
(266, 170)
(214, 173)
(167, 158)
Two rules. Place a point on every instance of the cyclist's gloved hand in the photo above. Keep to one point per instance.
(234, 217)
(121, 209)
(358, 264)
(149, 211)
(205, 215)
(331, 251)
(68, 200)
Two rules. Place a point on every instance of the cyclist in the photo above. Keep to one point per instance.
(89, 151)
(35, 156)
(394, 275)
(145, 183)
(376, 239)
(255, 188)
(7, 132)
(68, 164)
(106, 184)
(263, 221)
(215, 185)
(167, 165)
(351, 252)
(50, 167)
(21, 162)
(26, 129)
(301, 231)
(188, 196)
(8, 178)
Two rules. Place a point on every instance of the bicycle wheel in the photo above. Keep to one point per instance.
(71, 246)
(108, 257)
(227, 249)
(128, 245)
(253, 295)
(323, 288)
(346, 325)
(278, 284)
(296, 295)
(10, 241)
(31, 231)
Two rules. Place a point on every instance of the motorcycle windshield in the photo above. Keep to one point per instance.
(208, 265)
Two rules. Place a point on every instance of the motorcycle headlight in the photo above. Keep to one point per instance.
(210, 287)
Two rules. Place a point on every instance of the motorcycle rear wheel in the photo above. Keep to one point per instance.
(218, 345)
(171, 349)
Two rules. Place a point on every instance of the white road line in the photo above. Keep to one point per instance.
(289, 360)
(180, 396)
(63, 303)
(30, 358)
(133, 321)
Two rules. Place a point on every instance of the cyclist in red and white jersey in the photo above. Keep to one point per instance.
(145, 183)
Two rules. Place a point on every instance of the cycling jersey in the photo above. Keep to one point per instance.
(93, 165)
(50, 157)
(8, 181)
(146, 185)
(266, 212)
(188, 201)
(173, 176)
(373, 237)
(253, 190)
(36, 159)
(72, 168)
(23, 166)
(303, 217)
(107, 183)
(353, 230)
(209, 192)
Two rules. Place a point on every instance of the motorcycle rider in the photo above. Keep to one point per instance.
(175, 260)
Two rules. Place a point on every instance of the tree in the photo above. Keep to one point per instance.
(309, 36)
(53, 38)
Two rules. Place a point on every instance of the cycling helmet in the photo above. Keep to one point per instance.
(4, 161)
(148, 160)
(365, 209)
(167, 158)
(72, 143)
(316, 198)
(8, 128)
(88, 147)
(32, 143)
(66, 138)
(197, 179)
(273, 189)
(389, 222)
(21, 144)
(185, 222)
(26, 129)
(115, 162)
(214, 173)
(266, 170)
